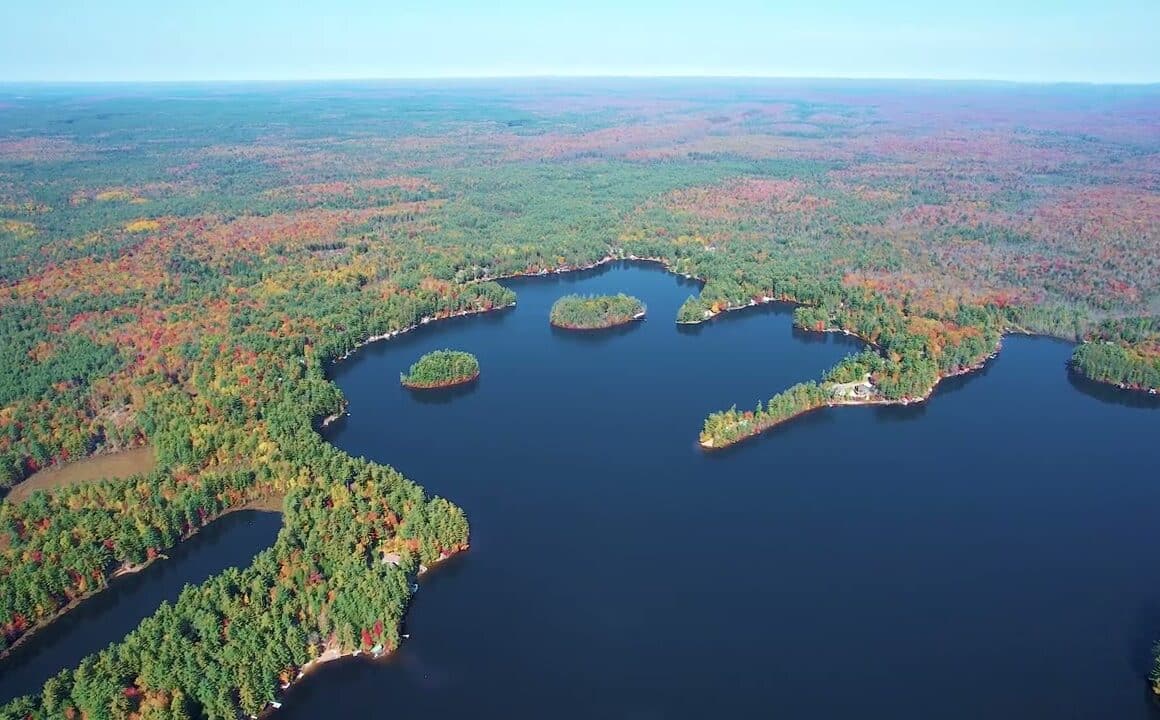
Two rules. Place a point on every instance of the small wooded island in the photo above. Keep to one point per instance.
(440, 369)
(595, 312)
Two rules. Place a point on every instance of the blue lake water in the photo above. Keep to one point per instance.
(985, 555)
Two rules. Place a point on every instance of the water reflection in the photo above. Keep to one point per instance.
(440, 396)
(599, 336)
(748, 312)
(951, 385)
(1111, 394)
(779, 433)
(900, 413)
(808, 336)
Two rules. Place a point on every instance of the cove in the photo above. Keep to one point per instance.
(985, 554)
(110, 615)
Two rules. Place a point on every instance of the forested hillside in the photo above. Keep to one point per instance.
(178, 265)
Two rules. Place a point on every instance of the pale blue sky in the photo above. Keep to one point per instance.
(1035, 40)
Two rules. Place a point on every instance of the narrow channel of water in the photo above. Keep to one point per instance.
(110, 615)
(987, 554)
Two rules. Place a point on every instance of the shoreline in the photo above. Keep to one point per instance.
(753, 302)
(125, 570)
(344, 406)
(764, 300)
(595, 328)
(562, 269)
(834, 403)
(254, 503)
(334, 416)
(454, 382)
(331, 654)
(425, 320)
(132, 569)
(1123, 387)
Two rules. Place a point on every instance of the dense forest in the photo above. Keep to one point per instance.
(177, 267)
(1123, 352)
(441, 368)
(593, 312)
(339, 576)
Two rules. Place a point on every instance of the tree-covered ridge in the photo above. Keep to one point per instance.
(1123, 352)
(592, 312)
(337, 579)
(441, 368)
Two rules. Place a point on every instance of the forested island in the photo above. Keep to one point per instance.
(595, 312)
(441, 368)
(166, 282)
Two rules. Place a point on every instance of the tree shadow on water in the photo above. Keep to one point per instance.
(442, 396)
(589, 337)
(1142, 645)
(900, 413)
(819, 417)
(1112, 395)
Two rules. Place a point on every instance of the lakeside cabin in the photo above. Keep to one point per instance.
(858, 390)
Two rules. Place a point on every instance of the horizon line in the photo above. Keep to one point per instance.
(567, 76)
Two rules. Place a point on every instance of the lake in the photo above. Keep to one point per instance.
(987, 554)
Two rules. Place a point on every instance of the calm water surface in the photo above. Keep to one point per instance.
(987, 555)
(111, 615)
